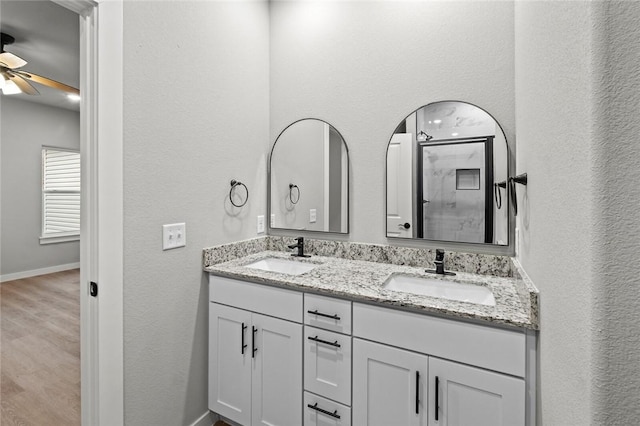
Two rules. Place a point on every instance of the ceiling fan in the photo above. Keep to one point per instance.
(14, 80)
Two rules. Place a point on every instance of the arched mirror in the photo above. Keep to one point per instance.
(447, 168)
(309, 179)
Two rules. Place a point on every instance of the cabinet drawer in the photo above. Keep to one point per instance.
(332, 414)
(328, 313)
(484, 346)
(327, 364)
(272, 301)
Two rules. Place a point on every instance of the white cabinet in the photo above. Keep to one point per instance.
(276, 395)
(255, 361)
(395, 386)
(327, 364)
(485, 387)
(398, 368)
(388, 385)
(474, 397)
(230, 363)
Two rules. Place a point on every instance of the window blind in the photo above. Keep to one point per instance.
(60, 192)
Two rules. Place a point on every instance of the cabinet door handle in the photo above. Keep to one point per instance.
(323, 411)
(254, 330)
(244, 327)
(437, 402)
(326, 342)
(320, 314)
(417, 392)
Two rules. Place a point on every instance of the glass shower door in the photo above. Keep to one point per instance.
(454, 176)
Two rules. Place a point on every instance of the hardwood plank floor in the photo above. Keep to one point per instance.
(40, 350)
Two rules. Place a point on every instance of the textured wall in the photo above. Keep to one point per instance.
(555, 138)
(363, 66)
(196, 116)
(616, 217)
(26, 127)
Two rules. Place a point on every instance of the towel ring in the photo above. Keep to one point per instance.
(234, 184)
(291, 186)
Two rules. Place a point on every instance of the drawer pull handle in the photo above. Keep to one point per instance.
(437, 398)
(254, 330)
(320, 314)
(323, 411)
(326, 342)
(418, 393)
(244, 345)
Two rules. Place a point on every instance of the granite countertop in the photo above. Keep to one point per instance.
(363, 281)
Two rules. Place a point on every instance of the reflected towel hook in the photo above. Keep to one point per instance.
(497, 194)
(234, 184)
(291, 186)
(522, 180)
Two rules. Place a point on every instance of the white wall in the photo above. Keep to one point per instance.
(363, 66)
(577, 80)
(616, 216)
(26, 127)
(196, 116)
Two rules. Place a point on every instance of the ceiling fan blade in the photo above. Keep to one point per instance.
(12, 61)
(22, 84)
(48, 82)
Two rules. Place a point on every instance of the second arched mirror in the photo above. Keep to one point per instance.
(447, 166)
(309, 178)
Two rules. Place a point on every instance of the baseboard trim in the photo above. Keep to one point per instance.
(206, 419)
(41, 271)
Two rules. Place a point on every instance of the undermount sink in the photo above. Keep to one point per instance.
(440, 288)
(283, 266)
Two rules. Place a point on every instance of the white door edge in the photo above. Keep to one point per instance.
(101, 241)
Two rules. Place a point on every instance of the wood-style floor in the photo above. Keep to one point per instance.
(40, 350)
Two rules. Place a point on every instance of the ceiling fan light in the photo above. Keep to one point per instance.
(10, 88)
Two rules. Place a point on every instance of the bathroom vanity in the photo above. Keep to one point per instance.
(324, 341)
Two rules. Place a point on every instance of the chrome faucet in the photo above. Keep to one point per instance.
(439, 262)
(300, 246)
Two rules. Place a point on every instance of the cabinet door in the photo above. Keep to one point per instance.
(277, 373)
(388, 386)
(469, 396)
(230, 363)
(327, 364)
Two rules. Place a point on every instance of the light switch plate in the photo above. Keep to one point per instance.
(260, 224)
(312, 216)
(174, 235)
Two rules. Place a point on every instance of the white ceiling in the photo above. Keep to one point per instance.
(48, 38)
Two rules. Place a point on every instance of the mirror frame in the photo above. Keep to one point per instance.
(508, 247)
(270, 229)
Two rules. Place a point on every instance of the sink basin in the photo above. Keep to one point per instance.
(440, 288)
(283, 266)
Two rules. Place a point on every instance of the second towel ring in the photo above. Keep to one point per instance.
(291, 186)
(234, 184)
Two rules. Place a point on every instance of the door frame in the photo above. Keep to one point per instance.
(102, 220)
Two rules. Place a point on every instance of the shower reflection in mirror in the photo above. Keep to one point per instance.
(308, 178)
(442, 163)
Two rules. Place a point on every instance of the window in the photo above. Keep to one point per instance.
(60, 195)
